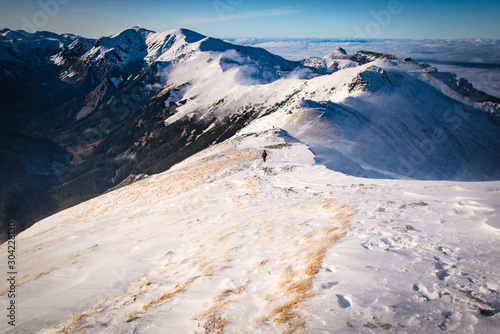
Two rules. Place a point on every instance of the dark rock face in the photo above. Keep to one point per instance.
(364, 57)
(372, 80)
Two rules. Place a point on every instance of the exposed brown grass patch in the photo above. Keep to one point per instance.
(296, 285)
(169, 294)
(132, 317)
(73, 325)
(213, 322)
(190, 175)
(286, 314)
(214, 325)
(263, 262)
(303, 288)
(314, 261)
(286, 277)
(249, 186)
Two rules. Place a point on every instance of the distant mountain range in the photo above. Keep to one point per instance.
(80, 115)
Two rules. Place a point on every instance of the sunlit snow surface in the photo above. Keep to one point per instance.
(477, 60)
(224, 241)
(383, 119)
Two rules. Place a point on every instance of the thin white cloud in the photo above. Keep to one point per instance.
(255, 14)
(477, 60)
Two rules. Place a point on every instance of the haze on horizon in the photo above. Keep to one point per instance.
(399, 19)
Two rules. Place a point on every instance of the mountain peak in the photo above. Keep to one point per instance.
(35, 48)
(133, 34)
(190, 35)
(338, 52)
(133, 30)
(364, 57)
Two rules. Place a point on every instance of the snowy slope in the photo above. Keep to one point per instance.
(376, 117)
(20, 46)
(137, 47)
(223, 242)
(337, 232)
(391, 118)
(387, 123)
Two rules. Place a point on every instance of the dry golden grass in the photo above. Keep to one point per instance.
(74, 321)
(229, 254)
(149, 191)
(296, 285)
(206, 266)
(176, 290)
(214, 325)
(143, 288)
(314, 261)
(212, 320)
(249, 186)
(288, 314)
(286, 277)
(73, 325)
(308, 235)
(263, 262)
(82, 329)
(302, 288)
(296, 291)
(223, 295)
(329, 222)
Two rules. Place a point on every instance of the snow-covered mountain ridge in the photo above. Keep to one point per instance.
(225, 243)
(375, 117)
(332, 234)
(23, 46)
(138, 102)
(140, 47)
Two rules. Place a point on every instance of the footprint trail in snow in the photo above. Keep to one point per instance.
(224, 242)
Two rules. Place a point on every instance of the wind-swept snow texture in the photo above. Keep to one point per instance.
(225, 243)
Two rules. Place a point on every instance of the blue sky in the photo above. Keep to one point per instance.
(263, 19)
